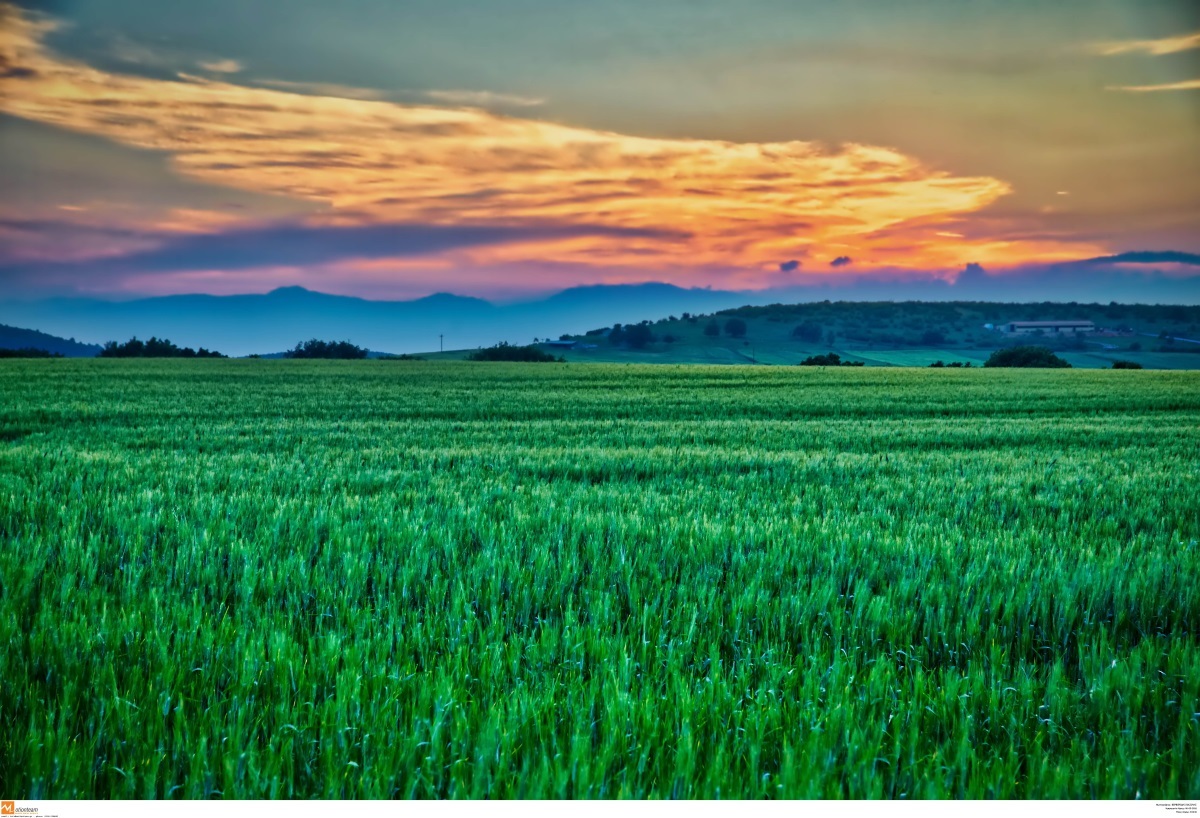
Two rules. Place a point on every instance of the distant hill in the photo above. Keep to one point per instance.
(905, 333)
(17, 338)
(266, 323)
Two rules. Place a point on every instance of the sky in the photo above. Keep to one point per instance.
(395, 149)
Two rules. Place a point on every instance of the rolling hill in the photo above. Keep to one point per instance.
(17, 338)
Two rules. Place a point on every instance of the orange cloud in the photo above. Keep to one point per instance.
(369, 161)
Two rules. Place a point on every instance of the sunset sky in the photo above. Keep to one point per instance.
(394, 149)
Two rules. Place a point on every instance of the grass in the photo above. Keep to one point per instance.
(261, 579)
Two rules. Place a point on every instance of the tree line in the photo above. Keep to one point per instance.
(153, 348)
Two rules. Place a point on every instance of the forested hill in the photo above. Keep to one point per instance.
(901, 333)
(17, 338)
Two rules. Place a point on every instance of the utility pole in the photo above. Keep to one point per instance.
(441, 346)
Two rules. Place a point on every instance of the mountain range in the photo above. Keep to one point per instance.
(278, 320)
(274, 321)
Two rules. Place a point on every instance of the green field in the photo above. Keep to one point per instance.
(260, 579)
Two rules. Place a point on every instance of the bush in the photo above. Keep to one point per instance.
(735, 328)
(340, 350)
(1126, 365)
(830, 359)
(505, 351)
(1030, 357)
(712, 329)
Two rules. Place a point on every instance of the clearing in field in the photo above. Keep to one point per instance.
(264, 579)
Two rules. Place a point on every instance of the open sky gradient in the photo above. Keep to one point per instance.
(500, 149)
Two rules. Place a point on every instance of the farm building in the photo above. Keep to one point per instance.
(567, 343)
(1048, 327)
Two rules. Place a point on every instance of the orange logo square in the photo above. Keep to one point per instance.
(8, 807)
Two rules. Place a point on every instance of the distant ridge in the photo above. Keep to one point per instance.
(17, 338)
(264, 323)
(1146, 257)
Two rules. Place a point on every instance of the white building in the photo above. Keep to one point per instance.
(1048, 327)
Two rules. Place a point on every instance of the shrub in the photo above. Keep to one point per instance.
(735, 328)
(505, 351)
(1030, 357)
(1126, 365)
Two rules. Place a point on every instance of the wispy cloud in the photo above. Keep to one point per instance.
(1164, 45)
(323, 89)
(221, 66)
(483, 99)
(1185, 85)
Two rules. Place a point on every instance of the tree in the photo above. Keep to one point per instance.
(1030, 357)
(505, 351)
(735, 328)
(809, 331)
(638, 336)
(28, 352)
(341, 350)
(830, 359)
(1126, 365)
(154, 348)
(712, 329)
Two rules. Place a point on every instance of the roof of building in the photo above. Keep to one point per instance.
(1051, 323)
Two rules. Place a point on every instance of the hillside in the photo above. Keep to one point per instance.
(903, 334)
(17, 338)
